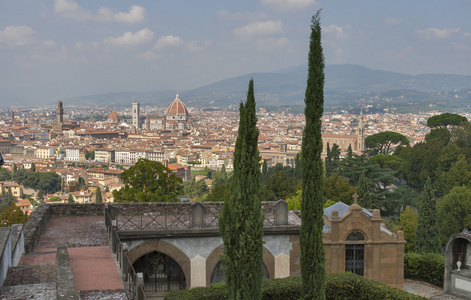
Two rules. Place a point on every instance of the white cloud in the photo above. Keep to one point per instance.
(136, 14)
(70, 9)
(338, 31)
(287, 5)
(148, 55)
(49, 44)
(86, 46)
(168, 41)
(16, 35)
(260, 29)
(434, 33)
(391, 21)
(131, 39)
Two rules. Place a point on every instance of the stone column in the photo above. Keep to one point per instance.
(198, 271)
(197, 215)
(281, 213)
(282, 266)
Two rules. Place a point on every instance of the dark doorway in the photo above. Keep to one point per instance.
(355, 253)
(161, 272)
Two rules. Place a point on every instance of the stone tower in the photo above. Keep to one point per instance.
(60, 112)
(136, 115)
(361, 133)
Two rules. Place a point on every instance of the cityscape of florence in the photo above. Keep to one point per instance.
(269, 149)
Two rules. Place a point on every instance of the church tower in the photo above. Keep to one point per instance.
(136, 115)
(60, 112)
(361, 132)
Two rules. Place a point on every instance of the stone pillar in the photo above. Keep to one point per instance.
(198, 271)
(281, 213)
(197, 215)
(139, 283)
(282, 266)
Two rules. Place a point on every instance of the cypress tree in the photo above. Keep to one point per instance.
(427, 238)
(263, 177)
(363, 192)
(98, 198)
(328, 161)
(310, 236)
(241, 221)
(349, 150)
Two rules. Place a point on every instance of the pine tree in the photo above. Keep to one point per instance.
(427, 239)
(98, 198)
(241, 221)
(363, 191)
(310, 236)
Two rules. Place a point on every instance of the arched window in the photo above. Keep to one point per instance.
(355, 236)
(161, 272)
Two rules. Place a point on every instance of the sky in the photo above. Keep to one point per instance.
(57, 49)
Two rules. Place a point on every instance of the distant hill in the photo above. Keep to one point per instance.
(345, 85)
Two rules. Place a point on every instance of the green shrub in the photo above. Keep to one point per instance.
(345, 286)
(427, 267)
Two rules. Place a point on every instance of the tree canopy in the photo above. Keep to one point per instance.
(383, 141)
(149, 181)
(445, 120)
(12, 215)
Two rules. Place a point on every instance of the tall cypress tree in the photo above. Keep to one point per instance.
(98, 198)
(427, 238)
(364, 196)
(310, 236)
(241, 221)
(263, 177)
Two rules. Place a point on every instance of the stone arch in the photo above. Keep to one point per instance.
(163, 247)
(362, 226)
(214, 258)
(458, 243)
(361, 229)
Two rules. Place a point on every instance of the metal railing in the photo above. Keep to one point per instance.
(164, 218)
(132, 285)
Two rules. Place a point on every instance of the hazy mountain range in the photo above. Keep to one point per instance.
(345, 86)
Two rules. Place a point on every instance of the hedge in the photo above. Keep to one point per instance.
(339, 286)
(427, 267)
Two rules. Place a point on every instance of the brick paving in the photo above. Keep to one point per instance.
(94, 269)
(83, 231)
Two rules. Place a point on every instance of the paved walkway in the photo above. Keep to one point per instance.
(428, 290)
(95, 273)
(94, 269)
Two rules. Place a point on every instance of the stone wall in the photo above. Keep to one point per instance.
(35, 226)
(65, 276)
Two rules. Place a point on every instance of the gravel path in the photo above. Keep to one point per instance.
(428, 290)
